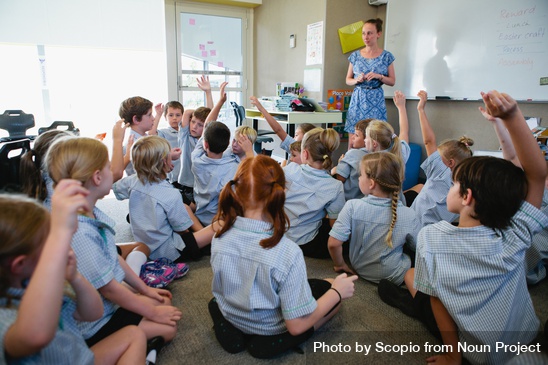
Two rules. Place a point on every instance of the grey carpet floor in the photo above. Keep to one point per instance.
(363, 320)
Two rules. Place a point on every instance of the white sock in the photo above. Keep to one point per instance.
(135, 260)
(151, 357)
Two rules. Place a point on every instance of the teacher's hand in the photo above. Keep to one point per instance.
(360, 78)
(371, 76)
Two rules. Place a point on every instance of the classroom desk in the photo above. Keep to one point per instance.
(290, 119)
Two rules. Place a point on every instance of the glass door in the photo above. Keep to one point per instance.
(212, 42)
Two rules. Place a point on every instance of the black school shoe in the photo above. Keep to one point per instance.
(156, 344)
(397, 297)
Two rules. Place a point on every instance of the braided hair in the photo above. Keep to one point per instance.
(385, 169)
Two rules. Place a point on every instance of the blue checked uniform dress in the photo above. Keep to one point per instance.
(365, 222)
(156, 213)
(172, 136)
(368, 97)
(349, 168)
(286, 143)
(478, 273)
(256, 288)
(67, 347)
(311, 194)
(95, 250)
(129, 168)
(210, 176)
(537, 255)
(187, 143)
(431, 203)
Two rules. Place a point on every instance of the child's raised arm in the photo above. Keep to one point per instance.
(508, 150)
(159, 109)
(117, 162)
(205, 86)
(38, 315)
(246, 145)
(273, 123)
(399, 101)
(503, 106)
(187, 117)
(214, 114)
(428, 136)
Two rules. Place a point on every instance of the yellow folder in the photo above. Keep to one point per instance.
(351, 36)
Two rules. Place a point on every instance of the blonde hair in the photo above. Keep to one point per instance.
(24, 227)
(76, 158)
(246, 131)
(383, 133)
(320, 144)
(385, 169)
(457, 150)
(149, 156)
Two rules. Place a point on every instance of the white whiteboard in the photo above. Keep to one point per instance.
(457, 48)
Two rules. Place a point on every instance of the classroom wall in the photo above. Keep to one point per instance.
(275, 61)
(275, 20)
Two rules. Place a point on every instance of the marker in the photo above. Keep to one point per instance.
(443, 98)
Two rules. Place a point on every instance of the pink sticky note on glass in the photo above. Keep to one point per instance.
(204, 53)
(192, 21)
(202, 47)
(212, 52)
(220, 64)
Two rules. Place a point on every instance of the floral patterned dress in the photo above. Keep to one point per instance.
(368, 97)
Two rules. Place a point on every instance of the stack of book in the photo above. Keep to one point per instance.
(283, 103)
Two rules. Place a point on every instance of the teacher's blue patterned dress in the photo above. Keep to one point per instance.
(368, 97)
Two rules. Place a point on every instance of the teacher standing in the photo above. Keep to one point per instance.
(369, 69)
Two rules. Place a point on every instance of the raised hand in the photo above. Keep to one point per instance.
(67, 201)
(399, 99)
(159, 109)
(423, 96)
(499, 105)
(119, 131)
(203, 83)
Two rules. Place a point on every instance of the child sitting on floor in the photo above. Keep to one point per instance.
(429, 200)
(469, 281)
(86, 160)
(173, 229)
(190, 131)
(38, 309)
(173, 113)
(212, 168)
(378, 225)
(348, 169)
(312, 194)
(236, 147)
(262, 299)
